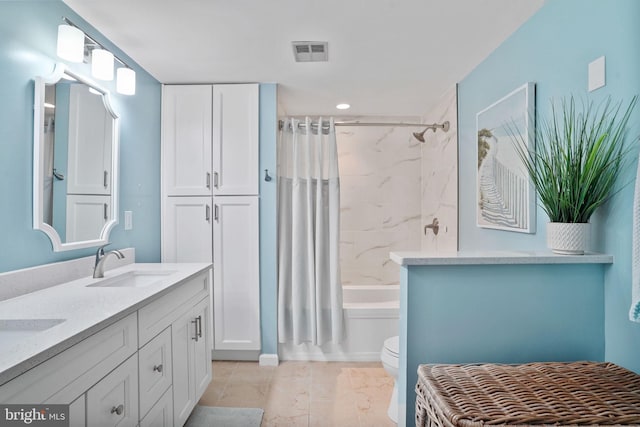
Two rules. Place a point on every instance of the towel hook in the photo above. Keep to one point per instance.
(267, 177)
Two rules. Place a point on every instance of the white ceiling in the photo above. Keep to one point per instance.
(386, 57)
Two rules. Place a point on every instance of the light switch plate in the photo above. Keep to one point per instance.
(596, 74)
(128, 220)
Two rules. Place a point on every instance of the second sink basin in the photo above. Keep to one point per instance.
(15, 329)
(133, 279)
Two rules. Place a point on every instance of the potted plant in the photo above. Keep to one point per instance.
(574, 167)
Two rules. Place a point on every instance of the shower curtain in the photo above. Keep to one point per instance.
(309, 287)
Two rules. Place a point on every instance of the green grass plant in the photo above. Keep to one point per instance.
(578, 157)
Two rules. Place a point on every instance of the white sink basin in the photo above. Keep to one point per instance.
(133, 279)
(16, 329)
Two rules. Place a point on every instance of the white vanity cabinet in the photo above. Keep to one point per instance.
(155, 370)
(132, 372)
(114, 400)
(191, 359)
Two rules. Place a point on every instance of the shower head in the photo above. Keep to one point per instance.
(420, 135)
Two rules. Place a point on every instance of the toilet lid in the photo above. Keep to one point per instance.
(392, 344)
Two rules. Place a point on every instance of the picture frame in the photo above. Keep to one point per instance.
(505, 195)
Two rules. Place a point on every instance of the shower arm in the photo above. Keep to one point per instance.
(435, 126)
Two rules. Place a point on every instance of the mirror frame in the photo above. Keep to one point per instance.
(38, 162)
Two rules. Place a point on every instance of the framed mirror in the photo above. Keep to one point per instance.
(75, 161)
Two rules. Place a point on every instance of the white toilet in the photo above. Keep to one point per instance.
(389, 358)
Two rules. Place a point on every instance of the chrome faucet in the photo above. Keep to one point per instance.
(101, 257)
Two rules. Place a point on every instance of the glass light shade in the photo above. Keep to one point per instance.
(102, 64)
(126, 81)
(70, 43)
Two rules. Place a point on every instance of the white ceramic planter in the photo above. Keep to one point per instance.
(568, 238)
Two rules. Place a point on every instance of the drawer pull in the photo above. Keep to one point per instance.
(117, 409)
(157, 368)
(195, 336)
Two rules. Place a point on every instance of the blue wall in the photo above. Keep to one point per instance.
(28, 32)
(268, 221)
(553, 49)
(499, 314)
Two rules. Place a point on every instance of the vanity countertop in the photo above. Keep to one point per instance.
(84, 309)
(497, 257)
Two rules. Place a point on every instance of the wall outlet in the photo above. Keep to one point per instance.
(128, 220)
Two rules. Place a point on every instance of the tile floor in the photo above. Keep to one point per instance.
(305, 394)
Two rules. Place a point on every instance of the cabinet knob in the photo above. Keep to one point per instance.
(117, 409)
(157, 368)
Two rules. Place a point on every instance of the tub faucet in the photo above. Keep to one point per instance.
(101, 257)
(435, 226)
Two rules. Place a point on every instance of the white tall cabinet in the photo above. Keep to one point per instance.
(210, 175)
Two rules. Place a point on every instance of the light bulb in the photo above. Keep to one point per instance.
(70, 43)
(102, 64)
(126, 81)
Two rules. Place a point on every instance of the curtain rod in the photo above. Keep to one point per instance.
(315, 123)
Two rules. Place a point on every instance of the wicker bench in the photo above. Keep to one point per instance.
(578, 393)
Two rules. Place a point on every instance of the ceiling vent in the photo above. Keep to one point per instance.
(311, 51)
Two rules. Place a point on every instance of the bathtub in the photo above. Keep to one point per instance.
(371, 315)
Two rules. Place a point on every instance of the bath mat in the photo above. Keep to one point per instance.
(205, 416)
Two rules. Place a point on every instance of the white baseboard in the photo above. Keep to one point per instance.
(316, 355)
(268, 360)
(242, 355)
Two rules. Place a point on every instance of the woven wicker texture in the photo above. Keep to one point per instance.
(578, 393)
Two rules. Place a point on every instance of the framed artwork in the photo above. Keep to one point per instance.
(505, 195)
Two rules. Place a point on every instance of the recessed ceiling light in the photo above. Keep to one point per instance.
(343, 106)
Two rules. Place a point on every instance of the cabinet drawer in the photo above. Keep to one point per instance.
(161, 415)
(154, 370)
(69, 374)
(114, 400)
(159, 314)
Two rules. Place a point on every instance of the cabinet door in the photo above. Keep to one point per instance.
(235, 139)
(78, 412)
(154, 366)
(183, 333)
(186, 226)
(186, 140)
(114, 400)
(86, 216)
(90, 148)
(191, 359)
(202, 348)
(161, 415)
(236, 283)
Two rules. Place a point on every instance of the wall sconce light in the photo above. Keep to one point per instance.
(70, 43)
(126, 81)
(102, 61)
(102, 64)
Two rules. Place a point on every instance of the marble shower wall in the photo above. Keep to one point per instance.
(440, 178)
(380, 187)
